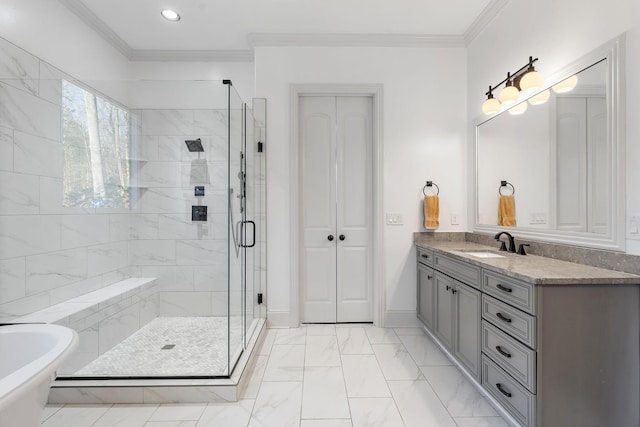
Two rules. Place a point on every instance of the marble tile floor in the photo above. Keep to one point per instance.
(321, 376)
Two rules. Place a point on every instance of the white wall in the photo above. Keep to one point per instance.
(47, 29)
(423, 139)
(559, 32)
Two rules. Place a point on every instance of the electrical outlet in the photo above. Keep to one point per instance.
(538, 218)
(394, 219)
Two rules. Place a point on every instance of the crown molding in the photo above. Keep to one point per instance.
(192, 55)
(483, 20)
(356, 40)
(96, 24)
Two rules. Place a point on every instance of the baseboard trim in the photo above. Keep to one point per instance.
(278, 319)
(401, 319)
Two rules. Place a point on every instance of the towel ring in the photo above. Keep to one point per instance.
(430, 184)
(505, 184)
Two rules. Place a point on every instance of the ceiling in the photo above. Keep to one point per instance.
(233, 27)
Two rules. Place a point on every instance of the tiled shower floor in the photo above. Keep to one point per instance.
(199, 349)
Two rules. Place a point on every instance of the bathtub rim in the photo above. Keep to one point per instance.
(14, 385)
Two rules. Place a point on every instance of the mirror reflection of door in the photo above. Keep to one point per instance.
(582, 161)
(336, 208)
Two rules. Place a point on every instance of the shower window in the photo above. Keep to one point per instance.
(96, 139)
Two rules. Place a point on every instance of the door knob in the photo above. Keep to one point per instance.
(342, 237)
(330, 237)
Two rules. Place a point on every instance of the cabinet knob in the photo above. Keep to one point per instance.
(425, 256)
(448, 287)
(429, 277)
(453, 291)
(330, 237)
(342, 237)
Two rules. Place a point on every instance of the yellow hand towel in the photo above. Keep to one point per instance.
(431, 212)
(507, 211)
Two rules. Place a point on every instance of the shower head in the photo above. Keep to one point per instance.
(194, 145)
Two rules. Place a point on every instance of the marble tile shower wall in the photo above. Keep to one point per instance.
(189, 258)
(48, 253)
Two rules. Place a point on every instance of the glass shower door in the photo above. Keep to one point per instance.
(237, 211)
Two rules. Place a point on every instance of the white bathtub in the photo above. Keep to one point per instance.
(29, 358)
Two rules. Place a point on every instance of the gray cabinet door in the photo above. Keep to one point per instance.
(444, 327)
(467, 302)
(426, 293)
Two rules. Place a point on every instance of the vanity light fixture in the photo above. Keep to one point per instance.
(491, 105)
(540, 98)
(510, 93)
(170, 15)
(566, 85)
(525, 79)
(518, 109)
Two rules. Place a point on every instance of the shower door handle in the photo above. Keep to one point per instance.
(244, 237)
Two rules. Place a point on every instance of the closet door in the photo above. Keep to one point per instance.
(318, 213)
(336, 209)
(354, 209)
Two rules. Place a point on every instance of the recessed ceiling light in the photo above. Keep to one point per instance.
(170, 15)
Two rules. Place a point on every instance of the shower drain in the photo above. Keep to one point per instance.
(168, 347)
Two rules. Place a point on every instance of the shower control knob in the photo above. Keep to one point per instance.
(342, 237)
(330, 237)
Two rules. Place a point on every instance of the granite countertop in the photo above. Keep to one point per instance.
(530, 268)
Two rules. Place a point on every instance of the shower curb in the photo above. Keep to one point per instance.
(161, 390)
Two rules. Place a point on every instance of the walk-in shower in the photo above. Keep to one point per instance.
(99, 182)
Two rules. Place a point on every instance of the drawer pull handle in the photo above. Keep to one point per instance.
(503, 288)
(503, 317)
(502, 390)
(502, 352)
(425, 256)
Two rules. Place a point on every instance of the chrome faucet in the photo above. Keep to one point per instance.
(512, 242)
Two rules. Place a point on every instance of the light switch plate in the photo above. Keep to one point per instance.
(394, 219)
(455, 219)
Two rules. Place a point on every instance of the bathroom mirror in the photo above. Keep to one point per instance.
(562, 159)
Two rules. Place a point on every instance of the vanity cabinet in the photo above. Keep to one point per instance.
(426, 290)
(556, 344)
(451, 309)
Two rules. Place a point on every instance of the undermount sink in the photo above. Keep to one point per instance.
(482, 254)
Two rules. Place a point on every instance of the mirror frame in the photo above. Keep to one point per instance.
(613, 52)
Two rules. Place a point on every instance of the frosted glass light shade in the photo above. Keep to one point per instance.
(566, 85)
(518, 109)
(531, 81)
(540, 98)
(509, 95)
(491, 106)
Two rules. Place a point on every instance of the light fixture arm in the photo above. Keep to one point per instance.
(515, 77)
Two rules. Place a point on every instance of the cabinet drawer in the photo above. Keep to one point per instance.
(516, 359)
(520, 325)
(425, 256)
(512, 291)
(467, 273)
(513, 397)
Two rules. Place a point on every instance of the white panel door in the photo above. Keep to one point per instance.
(354, 209)
(318, 198)
(336, 209)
